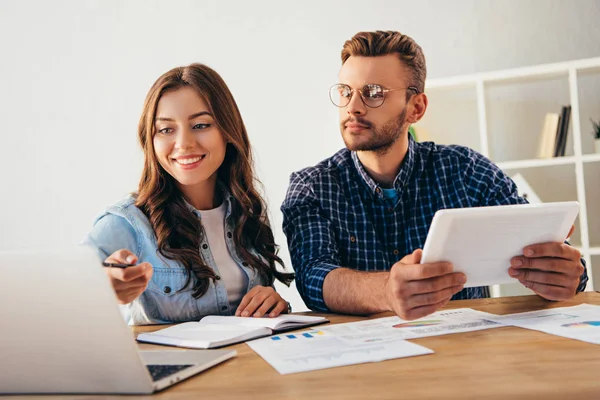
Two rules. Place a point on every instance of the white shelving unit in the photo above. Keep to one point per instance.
(500, 114)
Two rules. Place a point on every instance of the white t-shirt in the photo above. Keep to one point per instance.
(232, 275)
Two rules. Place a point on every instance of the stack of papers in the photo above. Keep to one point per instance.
(436, 324)
(365, 341)
(385, 338)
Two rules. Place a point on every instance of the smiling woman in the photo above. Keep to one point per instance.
(197, 230)
(188, 144)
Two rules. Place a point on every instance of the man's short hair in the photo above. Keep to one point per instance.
(380, 43)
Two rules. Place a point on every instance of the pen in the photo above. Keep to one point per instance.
(116, 265)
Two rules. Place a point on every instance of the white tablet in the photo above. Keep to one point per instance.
(481, 241)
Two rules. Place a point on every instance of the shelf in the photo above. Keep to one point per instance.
(517, 73)
(591, 176)
(590, 157)
(537, 163)
(546, 162)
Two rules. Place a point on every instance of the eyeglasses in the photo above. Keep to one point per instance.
(372, 95)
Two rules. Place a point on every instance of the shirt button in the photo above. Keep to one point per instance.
(167, 289)
(229, 235)
(205, 246)
(378, 190)
(352, 239)
(224, 308)
(396, 252)
(218, 277)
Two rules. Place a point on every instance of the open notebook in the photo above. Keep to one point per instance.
(216, 331)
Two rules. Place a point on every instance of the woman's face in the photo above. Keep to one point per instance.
(187, 142)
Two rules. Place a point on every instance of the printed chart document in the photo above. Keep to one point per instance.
(216, 331)
(439, 323)
(580, 322)
(317, 349)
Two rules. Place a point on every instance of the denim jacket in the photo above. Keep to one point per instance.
(165, 300)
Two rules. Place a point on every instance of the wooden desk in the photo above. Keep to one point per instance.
(502, 363)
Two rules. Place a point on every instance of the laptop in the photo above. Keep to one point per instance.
(62, 331)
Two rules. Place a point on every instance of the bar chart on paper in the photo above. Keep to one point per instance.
(307, 335)
(317, 349)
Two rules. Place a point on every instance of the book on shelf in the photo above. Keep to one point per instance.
(216, 331)
(563, 129)
(548, 136)
(553, 138)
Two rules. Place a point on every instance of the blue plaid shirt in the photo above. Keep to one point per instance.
(335, 215)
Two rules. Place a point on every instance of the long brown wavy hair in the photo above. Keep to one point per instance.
(178, 231)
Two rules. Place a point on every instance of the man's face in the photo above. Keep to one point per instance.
(374, 129)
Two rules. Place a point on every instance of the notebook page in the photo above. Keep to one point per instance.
(280, 322)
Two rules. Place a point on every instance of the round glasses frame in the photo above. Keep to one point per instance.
(334, 92)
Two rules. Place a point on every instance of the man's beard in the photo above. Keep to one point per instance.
(380, 139)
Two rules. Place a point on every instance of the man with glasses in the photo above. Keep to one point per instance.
(356, 222)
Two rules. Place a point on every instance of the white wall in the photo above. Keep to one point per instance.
(73, 76)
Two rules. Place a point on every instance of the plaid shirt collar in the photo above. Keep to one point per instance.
(401, 180)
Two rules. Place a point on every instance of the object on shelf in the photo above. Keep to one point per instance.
(596, 133)
(563, 129)
(548, 136)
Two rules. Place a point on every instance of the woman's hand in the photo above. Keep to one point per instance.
(262, 300)
(129, 283)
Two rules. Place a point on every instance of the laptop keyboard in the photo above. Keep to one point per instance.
(159, 372)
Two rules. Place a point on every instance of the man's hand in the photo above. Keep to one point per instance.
(129, 283)
(552, 270)
(415, 290)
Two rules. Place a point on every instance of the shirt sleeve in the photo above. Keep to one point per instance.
(488, 185)
(311, 242)
(111, 233)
